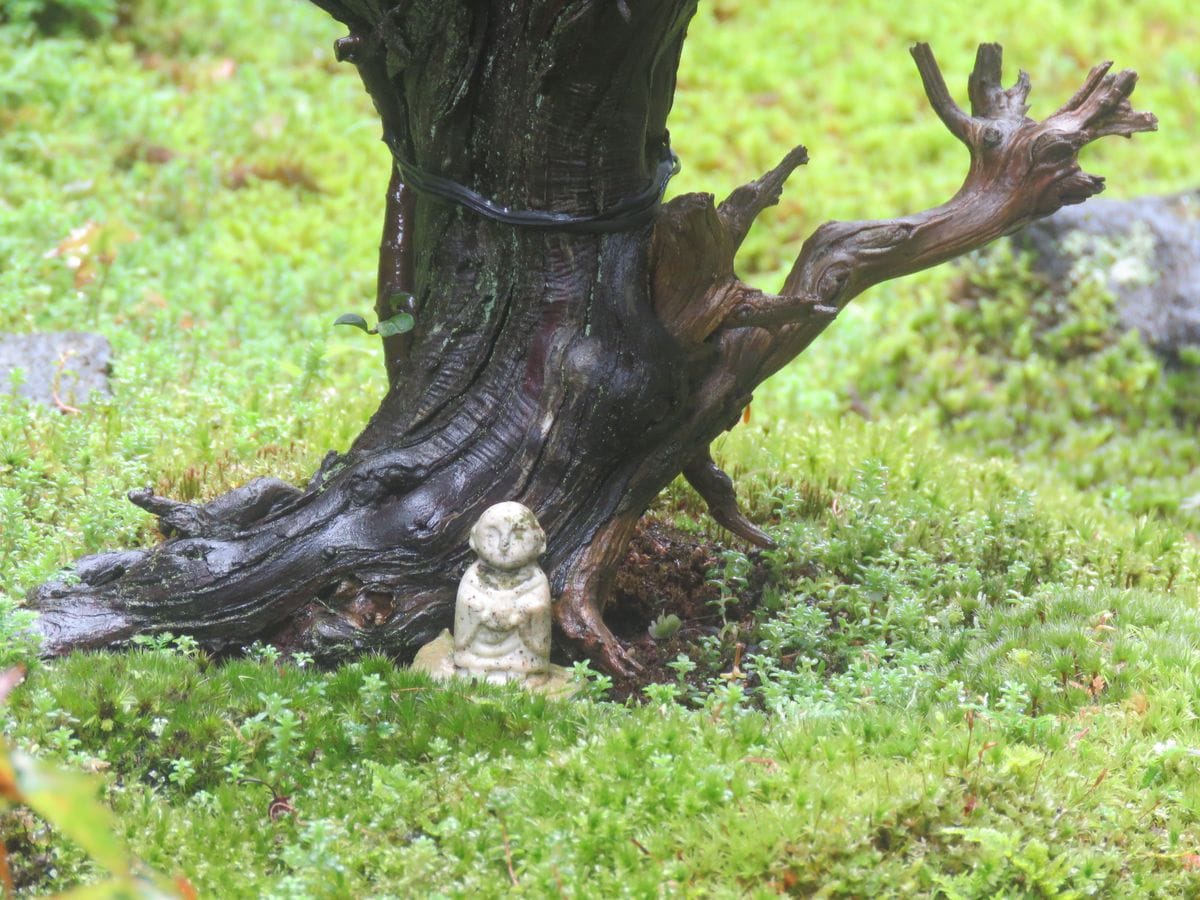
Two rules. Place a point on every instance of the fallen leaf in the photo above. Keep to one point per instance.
(291, 174)
(79, 240)
(141, 151)
(787, 882)
(90, 246)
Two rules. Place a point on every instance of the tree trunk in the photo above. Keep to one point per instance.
(573, 359)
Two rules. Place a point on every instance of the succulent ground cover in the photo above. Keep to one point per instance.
(969, 668)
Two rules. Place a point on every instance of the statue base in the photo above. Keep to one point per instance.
(436, 659)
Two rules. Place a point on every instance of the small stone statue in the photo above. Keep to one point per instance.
(502, 614)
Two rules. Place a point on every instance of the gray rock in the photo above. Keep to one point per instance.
(70, 364)
(1148, 252)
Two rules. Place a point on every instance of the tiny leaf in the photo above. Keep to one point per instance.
(397, 324)
(353, 319)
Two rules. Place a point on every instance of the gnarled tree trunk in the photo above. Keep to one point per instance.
(575, 366)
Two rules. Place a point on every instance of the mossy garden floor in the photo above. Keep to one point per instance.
(972, 667)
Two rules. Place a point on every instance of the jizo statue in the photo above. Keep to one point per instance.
(502, 615)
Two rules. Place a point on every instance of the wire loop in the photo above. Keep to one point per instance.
(628, 213)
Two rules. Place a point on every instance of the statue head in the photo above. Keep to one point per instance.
(508, 536)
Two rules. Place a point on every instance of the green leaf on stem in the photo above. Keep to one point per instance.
(397, 324)
(354, 320)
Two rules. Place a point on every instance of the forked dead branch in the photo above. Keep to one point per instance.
(577, 370)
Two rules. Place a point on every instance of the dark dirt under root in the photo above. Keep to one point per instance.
(668, 571)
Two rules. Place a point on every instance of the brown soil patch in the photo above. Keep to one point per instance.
(667, 572)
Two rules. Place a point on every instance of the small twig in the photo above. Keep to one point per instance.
(562, 888)
(858, 405)
(1038, 778)
(6, 879)
(1095, 784)
(951, 114)
(508, 858)
(57, 382)
(970, 719)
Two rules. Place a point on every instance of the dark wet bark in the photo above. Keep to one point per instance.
(578, 373)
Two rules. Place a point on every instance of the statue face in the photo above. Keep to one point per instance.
(507, 536)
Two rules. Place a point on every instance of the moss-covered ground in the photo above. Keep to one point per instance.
(974, 665)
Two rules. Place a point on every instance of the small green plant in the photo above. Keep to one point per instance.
(17, 644)
(398, 323)
(730, 579)
(592, 684)
(665, 627)
(267, 653)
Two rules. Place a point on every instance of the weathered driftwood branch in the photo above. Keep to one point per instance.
(1020, 170)
(738, 211)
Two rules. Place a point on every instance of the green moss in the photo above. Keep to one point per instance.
(401, 786)
(1005, 366)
